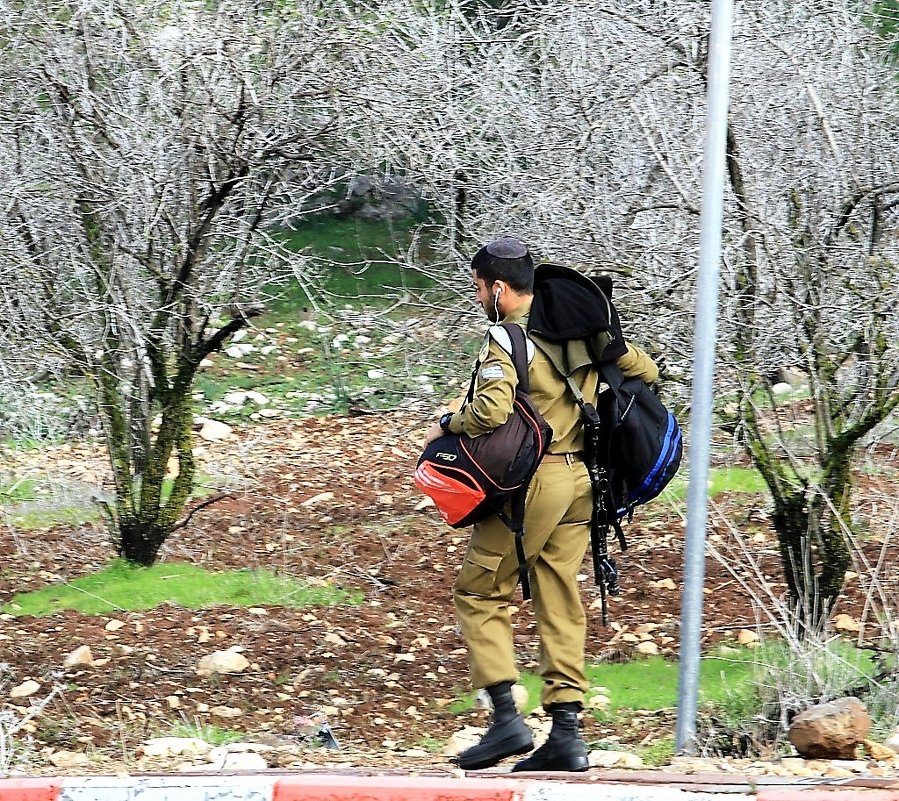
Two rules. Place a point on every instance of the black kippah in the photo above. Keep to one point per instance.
(507, 248)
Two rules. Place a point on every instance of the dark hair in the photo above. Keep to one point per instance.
(508, 260)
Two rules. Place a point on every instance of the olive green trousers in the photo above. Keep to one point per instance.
(557, 530)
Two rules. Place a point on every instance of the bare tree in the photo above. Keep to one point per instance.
(814, 223)
(146, 150)
(580, 128)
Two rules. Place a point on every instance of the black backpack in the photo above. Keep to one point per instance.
(471, 478)
(633, 444)
(640, 441)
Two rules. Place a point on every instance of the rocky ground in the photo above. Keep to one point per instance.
(331, 500)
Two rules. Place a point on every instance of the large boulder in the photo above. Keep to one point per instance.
(830, 731)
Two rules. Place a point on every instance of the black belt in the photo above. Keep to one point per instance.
(573, 456)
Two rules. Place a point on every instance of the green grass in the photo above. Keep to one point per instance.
(358, 251)
(651, 684)
(721, 479)
(36, 519)
(30, 504)
(122, 586)
(207, 732)
(657, 753)
(648, 684)
(17, 491)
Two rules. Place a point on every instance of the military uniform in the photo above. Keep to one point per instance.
(557, 525)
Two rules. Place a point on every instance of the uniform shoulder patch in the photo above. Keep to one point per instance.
(492, 372)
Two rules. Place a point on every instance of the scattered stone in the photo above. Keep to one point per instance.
(80, 657)
(795, 766)
(68, 759)
(233, 761)
(882, 753)
(174, 746)
(114, 625)
(213, 430)
(791, 376)
(893, 740)
(226, 712)
(747, 638)
(239, 351)
(320, 498)
(614, 759)
(598, 701)
(846, 624)
(830, 731)
(850, 765)
(222, 662)
(647, 648)
(646, 628)
(240, 398)
(25, 690)
(222, 751)
(462, 739)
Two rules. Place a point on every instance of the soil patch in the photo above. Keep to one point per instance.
(332, 500)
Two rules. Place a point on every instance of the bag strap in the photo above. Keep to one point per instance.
(514, 521)
(519, 354)
(518, 339)
(519, 345)
(611, 374)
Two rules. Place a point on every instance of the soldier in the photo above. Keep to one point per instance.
(557, 529)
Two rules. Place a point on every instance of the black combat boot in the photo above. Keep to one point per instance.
(508, 733)
(564, 749)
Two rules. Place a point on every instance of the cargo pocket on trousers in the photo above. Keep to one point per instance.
(478, 573)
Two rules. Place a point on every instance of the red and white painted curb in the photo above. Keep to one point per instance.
(331, 788)
(321, 787)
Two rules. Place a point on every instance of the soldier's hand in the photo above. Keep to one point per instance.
(434, 432)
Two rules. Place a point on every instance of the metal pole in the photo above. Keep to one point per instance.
(710, 223)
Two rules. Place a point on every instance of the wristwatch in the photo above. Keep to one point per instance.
(445, 420)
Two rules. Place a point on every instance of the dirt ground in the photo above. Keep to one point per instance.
(332, 500)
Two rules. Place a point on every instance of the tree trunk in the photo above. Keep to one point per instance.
(814, 555)
(146, 508)
(140, 541)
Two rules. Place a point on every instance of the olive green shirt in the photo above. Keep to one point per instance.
(496, 381)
